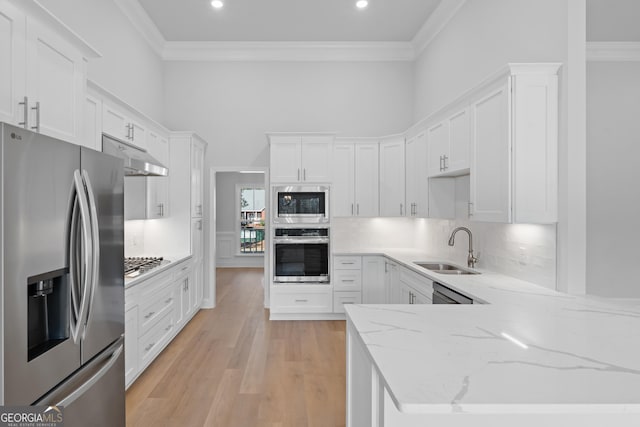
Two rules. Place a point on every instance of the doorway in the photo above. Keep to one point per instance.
(239, 232)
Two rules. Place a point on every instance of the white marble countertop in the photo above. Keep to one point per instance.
(172, 261)
(528, 350)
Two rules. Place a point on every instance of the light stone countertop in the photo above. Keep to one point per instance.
(527, 350)
(172, 261)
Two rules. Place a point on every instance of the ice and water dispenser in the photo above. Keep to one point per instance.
(48, 311)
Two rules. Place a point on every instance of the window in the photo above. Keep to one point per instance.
(252, 217)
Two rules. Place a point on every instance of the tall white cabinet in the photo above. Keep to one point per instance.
(187, 216)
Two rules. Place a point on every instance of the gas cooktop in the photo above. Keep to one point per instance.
(135, 266)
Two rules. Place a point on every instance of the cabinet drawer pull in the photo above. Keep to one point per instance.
(347, 302)
(348, 280)
(168, 301)
(302, 300)
(184, 268)
(347, 263)
(168, 328)
(149, 315)
(149, 347)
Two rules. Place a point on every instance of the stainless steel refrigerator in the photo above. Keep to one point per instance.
(62, 277)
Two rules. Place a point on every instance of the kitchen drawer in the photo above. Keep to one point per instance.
(420, 283)
(347, 263)
(317, 301)
(340, 298)
(347, 280)
(155, 307)
(151, 343)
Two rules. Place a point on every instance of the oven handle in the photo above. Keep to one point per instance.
(301, 240)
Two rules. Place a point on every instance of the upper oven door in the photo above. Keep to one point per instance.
(301, 204)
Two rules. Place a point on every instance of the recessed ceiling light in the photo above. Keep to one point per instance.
(361, 4)
(217, 4)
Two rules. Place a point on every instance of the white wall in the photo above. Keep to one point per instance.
(482, 37)
(233, 104)
(227, 220)
(613, 175)
(129, 68)
(615, 20)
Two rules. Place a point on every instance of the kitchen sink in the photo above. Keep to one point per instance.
(442, 268)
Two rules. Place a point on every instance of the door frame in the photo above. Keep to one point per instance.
(213, 228)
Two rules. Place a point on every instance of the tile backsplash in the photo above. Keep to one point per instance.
(524, 251)
(134, 238)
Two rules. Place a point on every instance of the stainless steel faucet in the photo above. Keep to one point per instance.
(471, 259)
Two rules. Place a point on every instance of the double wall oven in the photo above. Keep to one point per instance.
(301, 234)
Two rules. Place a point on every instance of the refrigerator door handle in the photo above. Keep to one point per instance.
(87, 258)
(95, 242)
(73, 265)
(107, 359)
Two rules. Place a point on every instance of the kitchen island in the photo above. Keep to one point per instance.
(525, 356)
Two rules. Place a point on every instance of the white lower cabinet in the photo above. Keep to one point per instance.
(414, 288)
(131, 344)
(347, 281)
(373, 283)
(296, 299)
(341, 298)
(155, 311)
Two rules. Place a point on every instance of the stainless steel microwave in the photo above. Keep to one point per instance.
(300, 204)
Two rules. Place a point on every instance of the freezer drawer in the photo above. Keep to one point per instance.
(94, 395)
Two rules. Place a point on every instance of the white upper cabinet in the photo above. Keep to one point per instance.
(490, 183)
(343, 189)
(355, 179)
(366, 180)
(118, 123)
(514, 167)
(13, 64)
(448, 145)
(300, 158)
(92, 133)
(459, 142)
(417, 180)
(315, 158)
(438, 143)
(42, 72)
(392, 185)
(158, 186)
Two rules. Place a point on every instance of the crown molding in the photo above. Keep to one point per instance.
(288, 51)
(143, 23)
(436, 22)
(613, 51)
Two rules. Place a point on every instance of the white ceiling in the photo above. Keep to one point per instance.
(289, 20)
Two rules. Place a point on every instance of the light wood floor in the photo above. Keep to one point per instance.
(232, 367)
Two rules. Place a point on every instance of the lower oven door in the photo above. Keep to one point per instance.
(301, 262)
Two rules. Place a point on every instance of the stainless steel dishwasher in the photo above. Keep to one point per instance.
(444, 295)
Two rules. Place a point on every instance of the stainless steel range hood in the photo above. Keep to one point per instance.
(137, 162)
